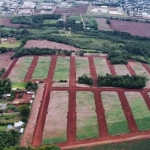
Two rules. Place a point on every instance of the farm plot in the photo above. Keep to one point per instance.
(62, 69)
(139, 109)
(102, 25)
(121, 70)
(101, 66)
(134, 28)
(56, 120)
(20, 69)
(42, 68)
(115, 118)
(86, 123)
(82, 66)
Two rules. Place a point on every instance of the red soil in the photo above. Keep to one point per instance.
(31, 69)
(49, 44)
(134, 28)
(132, 72)
(111, 67)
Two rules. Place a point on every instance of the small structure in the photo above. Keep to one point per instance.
(9, 126)
(18, 124)
(21, 130)
(6, 95)
(2, 106)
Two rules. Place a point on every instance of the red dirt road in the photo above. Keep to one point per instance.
(111, 67)
(132, 72)
(31, 69)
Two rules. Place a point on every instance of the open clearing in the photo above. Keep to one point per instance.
(20, 69)
(101, 66)
(121, 70)
(87, 126)
(50, 21)
(134, 28)
(49, 44)
(42, 68)
(56, 120)
(102, 25)
(5, 60)
(82, 66)
(62, 69)
(115, 118)
(10, 45)
(139, 109)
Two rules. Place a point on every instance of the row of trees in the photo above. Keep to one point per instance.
(125, 81)
(2, 71)
(31, 86)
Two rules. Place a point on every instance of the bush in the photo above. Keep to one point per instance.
(24, 119)
(84, 79)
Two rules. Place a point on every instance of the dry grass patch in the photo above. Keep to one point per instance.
(121, 70)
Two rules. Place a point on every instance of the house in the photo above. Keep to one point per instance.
(18, 124)
(6, 95)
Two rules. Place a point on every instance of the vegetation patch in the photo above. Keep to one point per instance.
(10, 45)
(18, 85)
(85, 80)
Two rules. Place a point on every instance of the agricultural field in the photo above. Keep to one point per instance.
(8, 44)
(82, 66)
(134, 28)
(20, 69)
(115, 118)
(102, 25)
(139, 110)
(62, 69)
(101, 66)
(121, 70)
(87, 126)
(50, 22)
(56, 120)
(42, 68)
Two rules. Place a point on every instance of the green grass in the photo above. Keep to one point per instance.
(11, 45)
(62, 69)
(115, 118)
(89, 22)
(87, 126)
(50, 21)
(3, 128)
(18, 85)
(42, 68)
(54, 140)
(76, 18)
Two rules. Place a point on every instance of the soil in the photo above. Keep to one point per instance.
(49, 44)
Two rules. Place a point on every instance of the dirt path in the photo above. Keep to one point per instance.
(92, 70)
(128, 113)
(146, 67)
(146, 99)
(38, 132)
(103, 132)
(82, 20)
(31, 69)
(111, 67)
(132, 72)
(6, 74)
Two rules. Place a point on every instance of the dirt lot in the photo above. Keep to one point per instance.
(56, 120)
(27, 136)
(48, 44)
(134, 28)
(5, 59)
(6, 22)
(102, 25)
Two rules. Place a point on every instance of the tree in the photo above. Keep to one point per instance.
(24, 110)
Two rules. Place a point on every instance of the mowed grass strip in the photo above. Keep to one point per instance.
(20, 69)
(62, 69)
(42, 68)
(55, 129)
(101, 66)
(139, 110)
(82, 67)
(115, 118)
(86, 123)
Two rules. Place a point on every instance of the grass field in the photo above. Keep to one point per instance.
(89, 22)
(139, 109)
(62, 69)
(82, 67)
(49, 21)
(101, 66)
(21, 68)
(87, 126)
(18, 85)
(11, 45)
(115, 118)
(76, 18)
(56, 120)
(42, 68)
(3, 128)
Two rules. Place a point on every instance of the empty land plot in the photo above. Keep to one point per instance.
(121, 70)
(76, 18)
(101, 66)
(115, 118)
(86, 123)
(42, 68)
(134, 28)
(139, 109)
(50, 21)
(138, 68)
(49, 44)
(62, 69)
(102, 25)
(82, 67)
(10, 45)
(56, 120)
(20, 69)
